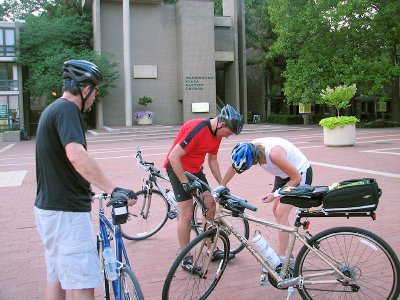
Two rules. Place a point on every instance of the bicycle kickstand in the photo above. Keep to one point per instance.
(290, 292)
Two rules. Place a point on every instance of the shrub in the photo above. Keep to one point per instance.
(285, 119)
(333, 122)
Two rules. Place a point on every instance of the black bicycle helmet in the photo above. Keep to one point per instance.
(232, 119)
(82, 71)
(243, 156)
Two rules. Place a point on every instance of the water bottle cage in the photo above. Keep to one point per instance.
(119, 213)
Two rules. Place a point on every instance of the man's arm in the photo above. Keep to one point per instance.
(88, 167)
(214, 167)
(228, 175)
(175, 161)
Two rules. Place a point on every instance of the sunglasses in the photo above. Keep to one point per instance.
(96, 92)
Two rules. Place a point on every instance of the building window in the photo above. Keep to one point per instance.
(8, 77)
(7, 42)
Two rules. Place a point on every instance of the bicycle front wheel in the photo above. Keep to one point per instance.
(198, 283)
(361, 255)
(241, 225)
(106, 284)
(147, 216)
(130, 288)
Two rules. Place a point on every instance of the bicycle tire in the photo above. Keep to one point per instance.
(181, 284)
(241, 225)
(106, 286)
(361, 255)
(135, 291)
(138, 227)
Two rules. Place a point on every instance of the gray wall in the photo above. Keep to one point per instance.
(153, 42)
(181, 40)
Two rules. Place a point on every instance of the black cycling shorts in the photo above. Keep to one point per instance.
(180, 194)
(280, 182)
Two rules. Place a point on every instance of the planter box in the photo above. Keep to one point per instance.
(145, 120)
(10, 136)
(340, 136)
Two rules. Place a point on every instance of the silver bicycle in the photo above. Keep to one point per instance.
(338, 263)
(156, 204)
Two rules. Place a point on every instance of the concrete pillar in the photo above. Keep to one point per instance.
(196, 56)
(127, 62)
(97, 47)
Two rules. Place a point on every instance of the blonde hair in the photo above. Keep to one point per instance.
(261, 158)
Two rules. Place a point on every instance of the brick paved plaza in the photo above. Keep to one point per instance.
(22, 276)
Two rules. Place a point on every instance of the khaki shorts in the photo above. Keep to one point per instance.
(70, 249)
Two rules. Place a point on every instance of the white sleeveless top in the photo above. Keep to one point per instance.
(293, 154)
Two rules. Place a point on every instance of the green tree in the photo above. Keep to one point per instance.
(47, 42)
(332, 42)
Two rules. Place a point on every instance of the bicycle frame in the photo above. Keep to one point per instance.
(153, 175)
(120, 250)
(220, 218)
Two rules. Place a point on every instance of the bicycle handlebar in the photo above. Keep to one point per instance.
(223, 194)
(104, 196)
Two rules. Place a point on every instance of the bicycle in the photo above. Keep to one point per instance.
(126, 285)
(156, 204)
(341, 262)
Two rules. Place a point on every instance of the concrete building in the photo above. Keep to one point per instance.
(11, 97)
(180, 55)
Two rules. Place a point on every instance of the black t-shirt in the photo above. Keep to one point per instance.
(59, 185)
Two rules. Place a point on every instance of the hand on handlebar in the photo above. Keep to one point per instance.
(191, 187)
(124, 194)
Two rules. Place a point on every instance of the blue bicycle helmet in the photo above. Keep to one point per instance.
(243, 156)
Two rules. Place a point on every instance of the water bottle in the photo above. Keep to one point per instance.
(110, 264)
(268, 253)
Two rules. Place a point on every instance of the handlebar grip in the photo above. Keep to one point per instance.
(192, 177)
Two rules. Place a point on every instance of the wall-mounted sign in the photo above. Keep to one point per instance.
(196, 83)
(201, 107)
(3, 111)
(304, 108)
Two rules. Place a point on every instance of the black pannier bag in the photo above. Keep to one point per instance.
(353, 195)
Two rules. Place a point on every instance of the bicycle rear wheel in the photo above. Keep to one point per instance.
(130, 287)
(241, 225)
(147, 216)
(198, 284)
(361, 255)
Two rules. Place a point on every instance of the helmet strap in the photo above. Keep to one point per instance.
(84, 99)
(216, 129)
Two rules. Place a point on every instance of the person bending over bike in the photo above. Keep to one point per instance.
(195, 140)
(64, 172)
(280, 158)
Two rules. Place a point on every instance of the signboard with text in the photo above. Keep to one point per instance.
(3, 111)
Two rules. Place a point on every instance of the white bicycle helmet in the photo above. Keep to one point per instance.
(243, 156)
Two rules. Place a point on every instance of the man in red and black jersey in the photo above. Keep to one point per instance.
(195, 140)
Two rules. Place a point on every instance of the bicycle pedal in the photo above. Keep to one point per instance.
(172, 214)
(264, 279)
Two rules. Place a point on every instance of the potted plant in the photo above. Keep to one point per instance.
(339, 130)
(144, 117)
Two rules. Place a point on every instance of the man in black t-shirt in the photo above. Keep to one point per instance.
(64, 173)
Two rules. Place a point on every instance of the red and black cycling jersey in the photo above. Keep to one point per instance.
(197, 139)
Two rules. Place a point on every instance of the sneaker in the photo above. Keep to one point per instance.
(219, 255)
(291, 261)
(187, 265)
